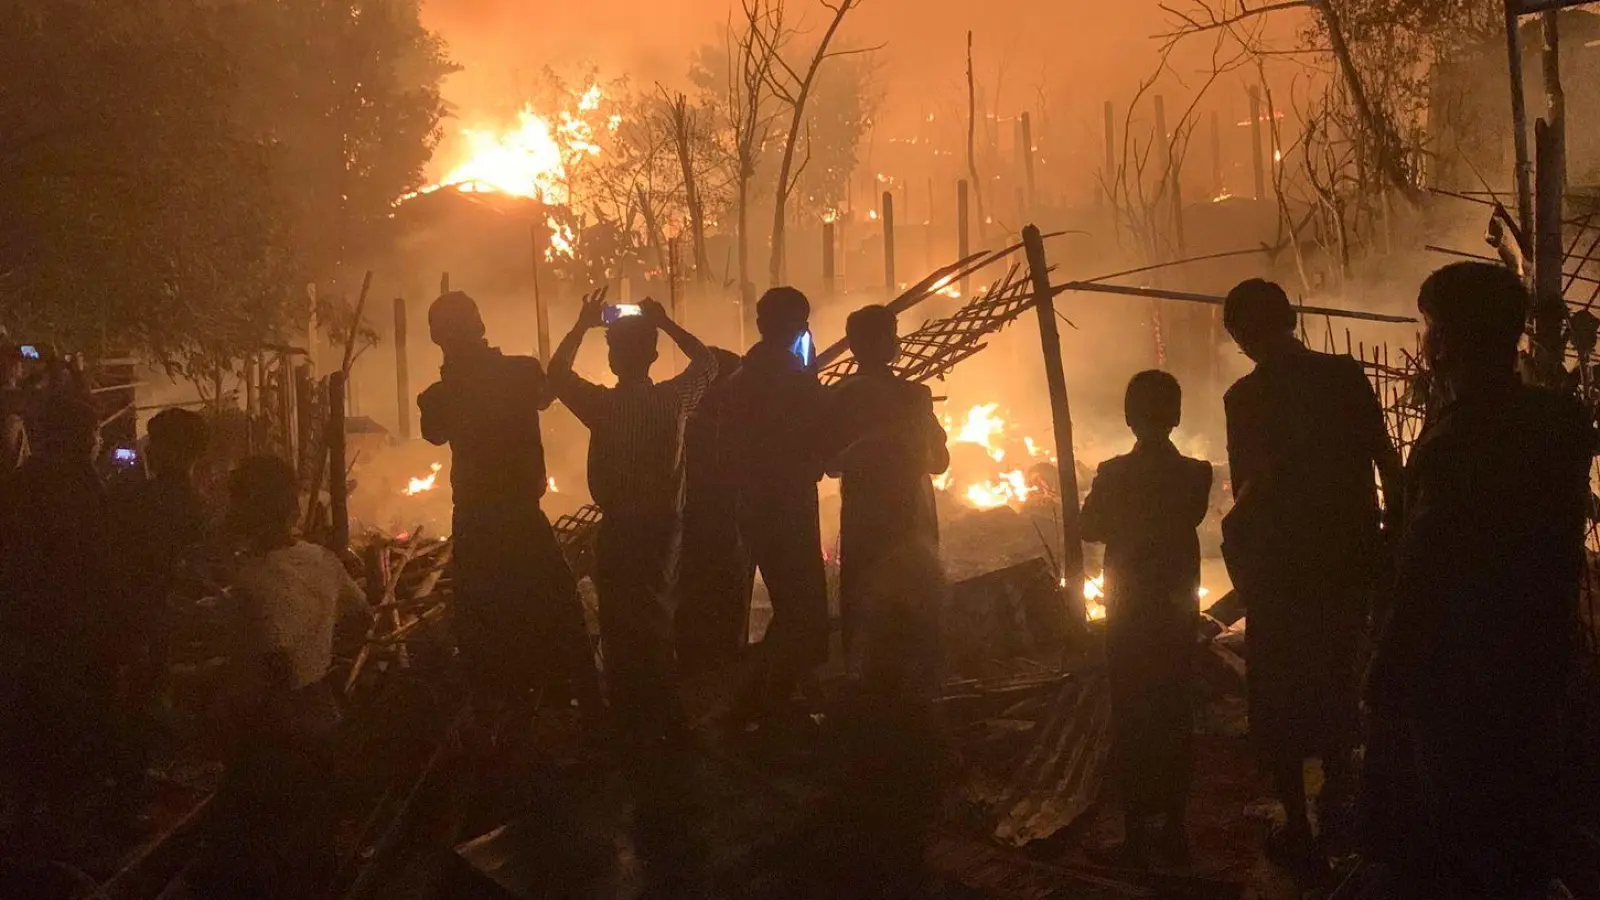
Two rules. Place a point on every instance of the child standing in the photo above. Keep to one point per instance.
(1145, 507)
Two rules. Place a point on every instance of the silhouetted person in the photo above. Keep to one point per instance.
(1145, 506)
(1475, 660)
(883, 439)
(773, 407)
(516, 610)
(57, 666)
(275, 815)
(155, 520)
(1304, 547)
(636, 478)
(712, 620)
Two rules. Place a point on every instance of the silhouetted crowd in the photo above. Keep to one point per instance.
(1427, 614)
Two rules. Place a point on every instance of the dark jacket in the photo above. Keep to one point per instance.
(1145, 506)
(1486, 609)
(772, 408)
(486, 407)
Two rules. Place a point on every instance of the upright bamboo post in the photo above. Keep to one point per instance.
(1519, 128)
(1549, 309)
(1107, 189)
(338, 486)
(1255, 143)
(1218, 181)
(888, 242)
(1027, 161)
(541, 310)
(402, 369)
(963, 232)
(444, 284)
(1061, 417)
(829, 274)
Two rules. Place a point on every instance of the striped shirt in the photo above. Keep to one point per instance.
(636, 437)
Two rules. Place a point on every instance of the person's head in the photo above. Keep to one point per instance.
(1258, 316)
(264, 499)
(631, 347)
(873, 336)
(1153, 405)
(454, 322)
(782, 314)
(1473, 316)
(64, 427)
(178, 439)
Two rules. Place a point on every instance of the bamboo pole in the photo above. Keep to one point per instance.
(1061, 415)
(402, 369)
(1027, 161)
(1519, 128)
(829, 275)
(338, 475)
(963, 233)
(888, 242)
(541, 310)
(1255, 143)
(1106, 189)
(1218, 179)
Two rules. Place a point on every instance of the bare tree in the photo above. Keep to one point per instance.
(754, 49)
(683, 125)
(794, 88)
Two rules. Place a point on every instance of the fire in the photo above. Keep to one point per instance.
(1094, 597)
(421, 485)
(984, 427)
(553, 488)
(945, 287)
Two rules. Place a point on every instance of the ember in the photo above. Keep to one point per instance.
(421, 485)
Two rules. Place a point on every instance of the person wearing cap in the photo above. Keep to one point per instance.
(1304, 547)
(516, 612)
(774, 406)
(1473, 667)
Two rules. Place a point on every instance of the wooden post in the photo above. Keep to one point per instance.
(1027, 160)
(1255, 143)
(1519, 129)
(963, 233)
(1549, 309)
(402, 369)
(1061, 416)
(1163, 146)
(444, 284)
(888, 243)
(541, 310)
(828, 272)
(252, 402)
(338, 486)
(1108, 190)
(1219, 184)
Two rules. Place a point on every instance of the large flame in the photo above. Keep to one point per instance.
(424, 484)
(1006, 485)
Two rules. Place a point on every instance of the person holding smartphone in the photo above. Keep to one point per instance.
(636, 477)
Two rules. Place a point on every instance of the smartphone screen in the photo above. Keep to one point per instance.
(803, 349)
(29, 351)
(620, 311)
(125, 455)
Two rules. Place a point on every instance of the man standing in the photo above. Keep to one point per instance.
(712, 620)
(516, 612)
(155, 521)
(884, 440)
(773, 408)
(636, 478)
(55, 643)
(1304, 548)
(1475, 660)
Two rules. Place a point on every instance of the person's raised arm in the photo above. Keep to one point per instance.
(590, 315)
(702, 368)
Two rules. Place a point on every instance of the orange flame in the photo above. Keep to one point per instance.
(421, 485)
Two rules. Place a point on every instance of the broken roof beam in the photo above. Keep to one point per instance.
(1213, 300)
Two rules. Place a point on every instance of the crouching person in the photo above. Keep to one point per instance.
(1145, 506)
(276, 816)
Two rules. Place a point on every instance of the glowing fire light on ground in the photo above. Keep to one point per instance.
(422, 485)
(983, 427)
